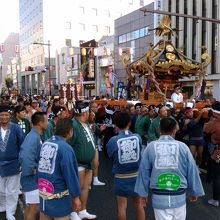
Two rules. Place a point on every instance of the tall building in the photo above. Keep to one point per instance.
(132, 38)
(194, 34)
(9, 51)
(54, 24)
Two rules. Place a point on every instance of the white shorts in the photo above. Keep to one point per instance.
(81, 168)
(169, 214)
(32, 197)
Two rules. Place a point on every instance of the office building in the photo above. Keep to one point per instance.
(133, 38)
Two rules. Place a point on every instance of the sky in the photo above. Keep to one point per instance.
(9, 18)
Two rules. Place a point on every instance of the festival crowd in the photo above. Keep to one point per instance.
(49, 151)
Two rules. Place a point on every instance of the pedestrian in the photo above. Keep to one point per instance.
(125, 152)
(97, 130)
(84, 148)
(143, 123)
(194, 128)
(177, 96)
(20, 119)
(35, 106)
(153, 131)
(11, 138)
(58, 112)
(212, 128)
(29, 158)
(58, 178)
(168, 170)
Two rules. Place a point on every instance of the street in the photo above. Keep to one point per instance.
(102, 201)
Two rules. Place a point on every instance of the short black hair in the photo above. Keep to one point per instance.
(159, 107)
(122, 119)
(138, 105)
(38, 117)
(57, 110)
(216, 106)
(176, 86)
(151, 107)
(19, 108)
(167, 125)
(63, 127)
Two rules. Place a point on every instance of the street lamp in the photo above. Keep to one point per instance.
(48, 45)
(17, 72)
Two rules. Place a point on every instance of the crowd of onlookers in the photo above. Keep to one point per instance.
(93, 126)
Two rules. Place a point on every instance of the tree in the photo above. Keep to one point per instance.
(8, 83)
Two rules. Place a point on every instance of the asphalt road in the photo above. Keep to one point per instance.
(102, 201)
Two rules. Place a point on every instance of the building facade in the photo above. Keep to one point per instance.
(194, 34)
(56, 24)
(133, 38)
(9, 58)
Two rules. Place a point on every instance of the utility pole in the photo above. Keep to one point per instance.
(48, 45)
(49, 70)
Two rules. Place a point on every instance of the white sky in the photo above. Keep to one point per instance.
(9, 17)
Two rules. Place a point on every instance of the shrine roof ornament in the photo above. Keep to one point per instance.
(164, 62)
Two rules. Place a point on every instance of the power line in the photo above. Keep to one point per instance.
(145, 10)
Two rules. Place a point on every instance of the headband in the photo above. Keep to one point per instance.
(59, 112)
(216, 111)
(110, 112)
(78, 111)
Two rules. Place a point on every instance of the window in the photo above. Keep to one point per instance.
(128, 36)
(132, 35)
(68, 25)
(142, 3)
(94, 11)
(124, 38)
(40, 7)
(95, 28)
(158, 4)
(82, 27)
(146, 31)
(68, 42)
(120, 39)
(136, 34)
(130, 2)
(142, 32)
(82, 10)
(107, 29)
(107, 12)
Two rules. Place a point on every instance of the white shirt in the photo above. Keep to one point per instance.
(3, 133)
(177, 98)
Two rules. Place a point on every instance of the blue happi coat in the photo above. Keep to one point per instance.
(168, 165)
(58, 172)
(29, 158)
(9, 150)
(125, 151)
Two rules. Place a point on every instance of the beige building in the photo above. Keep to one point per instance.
(195, 34)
